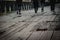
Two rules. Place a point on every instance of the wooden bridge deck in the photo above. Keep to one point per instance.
(33, 28)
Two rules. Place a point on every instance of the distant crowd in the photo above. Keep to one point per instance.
(36, 5)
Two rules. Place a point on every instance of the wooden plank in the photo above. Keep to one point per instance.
(36, 35)
(16, 30)
(22, 18)
(30, 19)
(35, 19)
(25, 30)
(2, 22)
(37, 24)
(22, 37)
(8, 29)
(44, 17)
(46, 36)
(24, 34)
(11, 31)
(43, 24)
(7, 25)
(56, 35)
(13, 27)
(48, 18)
(12, 22)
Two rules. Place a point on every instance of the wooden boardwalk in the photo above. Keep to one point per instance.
(27, 29)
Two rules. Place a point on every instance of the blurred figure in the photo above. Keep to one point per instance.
(19, 3)
(35, 4)
(52, 4)
(42, 5)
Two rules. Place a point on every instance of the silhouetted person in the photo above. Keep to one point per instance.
(19, 3)
(52, 4)
(42, 5)
(35, 4)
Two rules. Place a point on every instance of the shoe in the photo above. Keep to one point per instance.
(17, 12)
(35, 11)
(42, 11)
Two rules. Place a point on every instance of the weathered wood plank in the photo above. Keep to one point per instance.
(12, 22)
(19, 29)
(24, 34)
(31, 19)
(7, 25)
(56, 35)
(36, 35)
(46, 36)
(22, 37)
(10, 31)
(28, 27)
(37, 18)
(43, 24)
(25, 31)
(48, 18)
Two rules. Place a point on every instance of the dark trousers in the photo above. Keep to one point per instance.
(42, 6)
(19, 7)
(52, 7)
(36, 7)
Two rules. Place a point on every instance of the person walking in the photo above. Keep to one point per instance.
(19, 3)
(52, 4)
(35, 4)
(42, 5)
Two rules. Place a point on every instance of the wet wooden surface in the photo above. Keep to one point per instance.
(27, 29)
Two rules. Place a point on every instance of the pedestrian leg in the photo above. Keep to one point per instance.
(42, 7)
(36, 9)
